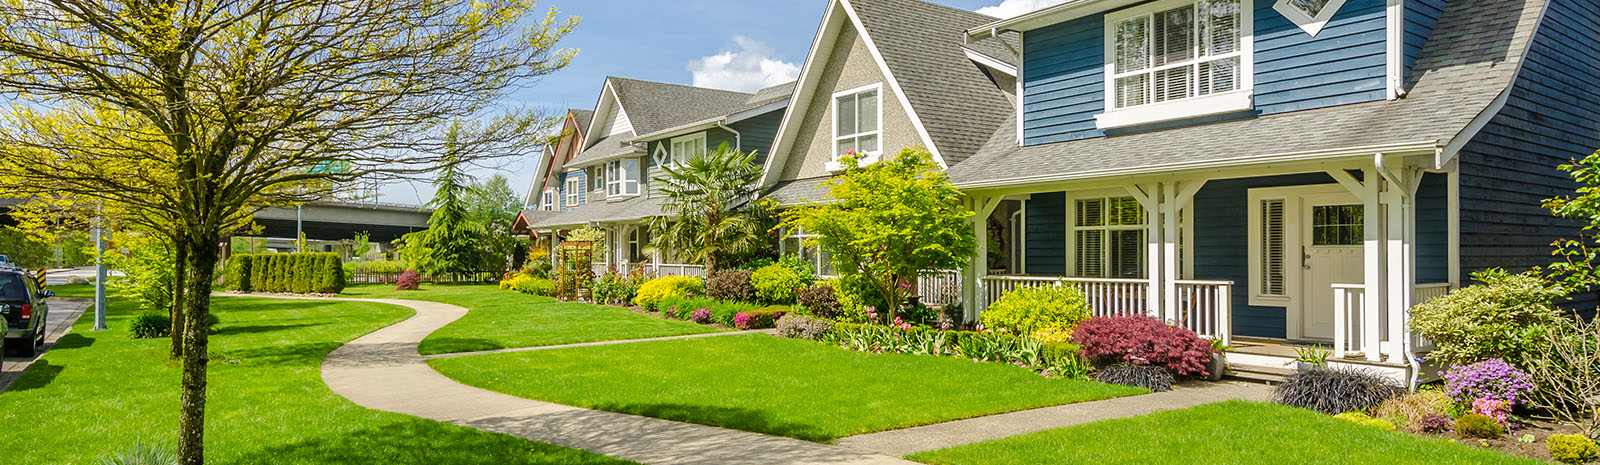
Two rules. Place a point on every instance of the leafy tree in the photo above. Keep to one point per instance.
(890, 222)
(710, 213)
(203, 112)
(491, 200)
(1577, 267)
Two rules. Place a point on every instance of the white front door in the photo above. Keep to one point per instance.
(1331, 238)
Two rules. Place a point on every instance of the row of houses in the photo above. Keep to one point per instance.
(1272, 170)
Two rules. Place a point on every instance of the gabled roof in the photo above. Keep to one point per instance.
(633, 208)
(582, 117)
(1466, 67)
(918, 47)
(653, 106)
(1003, 48)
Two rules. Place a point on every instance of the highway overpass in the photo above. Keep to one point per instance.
(325, 221)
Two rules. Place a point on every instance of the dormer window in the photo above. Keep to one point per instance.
(1310, 15)
(622, 178)
(857, 118)
(1177, 59)
(682, 148)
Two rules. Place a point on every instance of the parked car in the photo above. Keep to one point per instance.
(4, 260)
(24, 306)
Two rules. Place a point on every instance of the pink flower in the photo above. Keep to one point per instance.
(905, 327)
(905, 285)
(980, 326)
(945, 326)
(896, 320)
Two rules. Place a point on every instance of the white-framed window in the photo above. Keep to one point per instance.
(681, 149)
(574, 190)
(547, 202)
(637, 238)
(622, 177)
(597, 186)
(1310, 15)
(1109, 238)
(1271, 254)
(794, 242)
(858, 122)
(1175, 59)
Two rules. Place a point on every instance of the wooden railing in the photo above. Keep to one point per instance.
(1205, 307)
(674, 269)
(940, 288)
(1360, 330)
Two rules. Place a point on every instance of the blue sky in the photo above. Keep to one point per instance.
(736, 45)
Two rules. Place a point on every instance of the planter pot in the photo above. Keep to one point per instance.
(1309, 366)
(1218, 365)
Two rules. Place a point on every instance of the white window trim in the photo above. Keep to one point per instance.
(672, 158)
(1311, 24)
(1241, 99)
(548, 201)
(818, 265)
(1105, 242)
(867, 158)
(574, 190)
(625, 187)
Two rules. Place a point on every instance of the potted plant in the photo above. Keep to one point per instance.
(1219, 360)
(1311, 358)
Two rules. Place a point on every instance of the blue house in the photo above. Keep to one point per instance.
(1271, 172)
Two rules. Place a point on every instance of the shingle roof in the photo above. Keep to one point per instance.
(595, 212)
(999, 48)
(921, 44)
(1471, 58)
(605, 148)
(768, 96)
(583, 117)
(798, 191)
(653, 106)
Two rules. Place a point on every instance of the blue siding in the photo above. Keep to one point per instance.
(1063, 85)
(1046, 230)
(1345, 63)
(1222, 246)
(1063, 69)
(758, 133)
(583, 188)
(1420, 15)
(1551, 116)
(1433, 229)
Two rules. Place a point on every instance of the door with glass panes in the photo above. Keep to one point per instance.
(1331, 242)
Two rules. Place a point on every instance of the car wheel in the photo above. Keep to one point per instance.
(28, 348)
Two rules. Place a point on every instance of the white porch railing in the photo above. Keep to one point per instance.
(1359, 330)
(1204, 307)
(940, 287)
(676, 269)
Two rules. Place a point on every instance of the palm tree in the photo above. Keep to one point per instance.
(709, 207)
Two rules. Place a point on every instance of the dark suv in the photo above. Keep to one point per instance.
(23, 305)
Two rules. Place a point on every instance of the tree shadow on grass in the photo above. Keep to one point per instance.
(758, 421)
(455, 345)
(40, 374)
(72, 341)
(257, 329)
(420, 442)
(310, 353)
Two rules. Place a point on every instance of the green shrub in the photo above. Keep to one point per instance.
(819, 300)
(1366, 420)
(1572, 448)
(761, 318)
(1473, 425)
(1504, 317)
(376, 267)
(653, 291)
(722, 313)
(142, 454)
(801, 267)
(1047, 313)
(731, 285)
(302, 273)
(151, 326)
(804, 327)
(615, 288)
(777, 284)
(1060, 358)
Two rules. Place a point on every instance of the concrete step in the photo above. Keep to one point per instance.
(1258, 373)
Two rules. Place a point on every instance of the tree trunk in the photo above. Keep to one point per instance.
(180, 267)
(191, 421)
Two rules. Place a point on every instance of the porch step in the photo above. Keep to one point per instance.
(1257, 373)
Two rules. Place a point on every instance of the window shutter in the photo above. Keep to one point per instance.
(1273, 266)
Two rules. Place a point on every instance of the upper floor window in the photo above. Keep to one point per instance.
(622, 177)
(574, 190)
(683, 148)
(596, 186)
(1177, 58)
(548, 200)
(857, 118)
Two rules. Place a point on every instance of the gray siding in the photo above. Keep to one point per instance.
(758, 133)
(715, 137)
(1551, 117)
(1433, 229)
(1045, 227)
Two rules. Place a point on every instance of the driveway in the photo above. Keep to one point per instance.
(63, 313)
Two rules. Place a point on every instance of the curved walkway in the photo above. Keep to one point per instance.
(383, 371)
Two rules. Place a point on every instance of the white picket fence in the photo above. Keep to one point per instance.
(1204, 307)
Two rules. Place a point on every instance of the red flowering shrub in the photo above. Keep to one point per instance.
(409, 281)
(1143, 340)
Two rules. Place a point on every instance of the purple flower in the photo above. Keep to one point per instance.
(1492, 379)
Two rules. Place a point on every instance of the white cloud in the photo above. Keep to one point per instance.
(1009, 8)
(750, 68)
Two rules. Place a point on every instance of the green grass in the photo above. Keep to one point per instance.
(503, 319)
(81, 291)
(764, 384)
(1233, 432)
(98, 393)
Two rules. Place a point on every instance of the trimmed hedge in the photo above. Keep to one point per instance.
(304, 273)
(722, 313)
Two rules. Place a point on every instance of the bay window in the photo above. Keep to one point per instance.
(857, 118)
(1109, 238)
(622, 177)
(1175, 59)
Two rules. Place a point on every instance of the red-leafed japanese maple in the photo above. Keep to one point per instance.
(1142, 340)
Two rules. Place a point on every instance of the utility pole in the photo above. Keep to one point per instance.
(99, 270)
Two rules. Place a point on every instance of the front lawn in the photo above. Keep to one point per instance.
(98, 393)
(503, 319)
(760, 383)
(1234, 432)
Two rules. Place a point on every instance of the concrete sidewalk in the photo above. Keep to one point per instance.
(383, 371)
(63, 314)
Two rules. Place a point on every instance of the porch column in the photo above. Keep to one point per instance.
(1372, 255)
(1400, 199)
(974, 290)
(1178, 195)
(1149, 196)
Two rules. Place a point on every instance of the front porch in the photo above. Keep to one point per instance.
(1276, 254)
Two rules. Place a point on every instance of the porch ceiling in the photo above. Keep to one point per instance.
(1471, 59)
